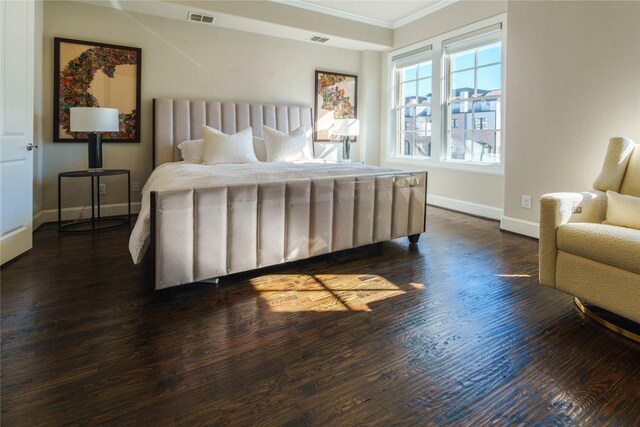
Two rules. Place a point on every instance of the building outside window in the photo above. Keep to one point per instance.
(413, 100)
(473, 81)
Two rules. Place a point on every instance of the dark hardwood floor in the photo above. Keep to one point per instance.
(455, 331)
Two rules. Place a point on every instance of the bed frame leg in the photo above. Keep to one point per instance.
(414, 238)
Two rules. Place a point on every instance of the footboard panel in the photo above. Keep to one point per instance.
(211, 232)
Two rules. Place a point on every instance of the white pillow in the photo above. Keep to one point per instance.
(622, 210)
(286, 148)
(259, 149)
(223, 148)
(192, 150)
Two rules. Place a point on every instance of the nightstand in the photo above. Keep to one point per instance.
(97, 223)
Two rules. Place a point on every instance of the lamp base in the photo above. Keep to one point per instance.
(346, 149)
(95, 152)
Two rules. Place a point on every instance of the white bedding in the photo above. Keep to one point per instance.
(182, 175)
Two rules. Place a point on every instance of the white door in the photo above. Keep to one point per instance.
(16, 127)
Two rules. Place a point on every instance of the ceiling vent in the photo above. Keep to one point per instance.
(319, 39)
(199, 17)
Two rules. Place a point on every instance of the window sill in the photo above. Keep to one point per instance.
(472, 167)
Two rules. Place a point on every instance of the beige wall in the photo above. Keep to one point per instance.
(180, 59)
(573, 80)
(38, 130)
(470, 188)
(368, 147)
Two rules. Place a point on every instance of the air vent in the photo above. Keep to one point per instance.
(319, 39)
(199, 17)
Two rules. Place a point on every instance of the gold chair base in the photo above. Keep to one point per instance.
(607, 324)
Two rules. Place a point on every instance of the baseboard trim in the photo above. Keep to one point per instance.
(520, 226)
(465, 207)
(37, 220)
(79, 212)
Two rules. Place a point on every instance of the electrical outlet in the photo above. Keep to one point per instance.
(525, 201)
(135, 186)
(103, 189)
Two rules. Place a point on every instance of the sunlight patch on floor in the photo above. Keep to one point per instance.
(513, 275)
(323, 292)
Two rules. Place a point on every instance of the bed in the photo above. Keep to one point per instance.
(199, 222)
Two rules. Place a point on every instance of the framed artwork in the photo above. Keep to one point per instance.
(89, 74)
(336, 98)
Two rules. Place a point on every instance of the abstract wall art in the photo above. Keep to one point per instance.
(336, 97)
(90, 74)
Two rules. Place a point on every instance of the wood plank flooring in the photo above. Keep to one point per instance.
(454, 331)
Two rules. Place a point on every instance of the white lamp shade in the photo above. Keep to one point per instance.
(346, 127)
(94, 119)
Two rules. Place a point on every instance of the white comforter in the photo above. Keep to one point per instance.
(181, 175)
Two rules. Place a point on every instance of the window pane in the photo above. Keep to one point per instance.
(490, 54)
(423, 118)
(486, 146)
(424, 70)
(489, 79)
(408, 93)
(460, 114)
(463, 60)
(409, 73)
(406, 140)
(462, 84)
(424, 90)
(489, 108)
(423, 144)
(460, 145)
(407, 119)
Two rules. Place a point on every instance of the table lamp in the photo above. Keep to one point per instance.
(94, 120)
(346, 128)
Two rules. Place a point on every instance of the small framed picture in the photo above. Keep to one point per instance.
(336, 97)
(91, 74)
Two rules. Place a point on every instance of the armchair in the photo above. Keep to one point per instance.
(598, 263)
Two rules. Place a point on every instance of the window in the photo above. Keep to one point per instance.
(446, 98)
(413, 102)
(473, 82)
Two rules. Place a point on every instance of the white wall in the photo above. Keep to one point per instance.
(573, 81)
(179, 59)
(478, 193)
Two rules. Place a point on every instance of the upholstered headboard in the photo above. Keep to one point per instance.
(177, 120)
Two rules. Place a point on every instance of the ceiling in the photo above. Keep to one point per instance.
(361, 24)
(383, 13)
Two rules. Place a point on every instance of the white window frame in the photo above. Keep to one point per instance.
(409, 59)
(466, 43)
(439, 126)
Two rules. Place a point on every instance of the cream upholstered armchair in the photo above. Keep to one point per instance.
(590, 242)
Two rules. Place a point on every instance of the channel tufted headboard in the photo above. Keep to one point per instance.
(177, 120)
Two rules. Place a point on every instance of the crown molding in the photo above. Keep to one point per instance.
(422, 13)
(335, 12)
(441, 4)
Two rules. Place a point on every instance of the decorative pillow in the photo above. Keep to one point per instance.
(192, 150)
(259, 149)
(622, 210)
(223, 148)
(281, 147)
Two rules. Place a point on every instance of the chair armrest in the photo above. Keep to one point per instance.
(557, 209)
